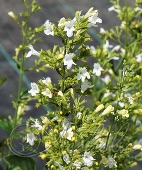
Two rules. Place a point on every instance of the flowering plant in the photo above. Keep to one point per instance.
(95, 114)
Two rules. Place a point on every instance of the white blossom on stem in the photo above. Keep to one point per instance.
(97, 69)
(67, 130)
(31, 138)
(111, 162)
(92, 48)
(83, 74)
(34, 89)
(37, 125)
(32, 52)
(47, 92)
(66, 158)
(85, 86)
(107, 45)
(68, 60)
(67, 134)
(49, 28)
(138, 9)
(79, 115)
(139, 58)
(106, 79)
(112, 8)
(94, 19)
(47, 80)
(102, 30)
(88, 159)
(69, 28)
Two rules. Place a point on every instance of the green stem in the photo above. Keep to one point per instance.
(24, 35)
(63, 80)
(108, 136)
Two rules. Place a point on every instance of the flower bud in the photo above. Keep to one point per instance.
(64, 152)
(108, 110)
(73, 139)
(100, 107)
(137, 147)
(60, 56)
(12, 15)
(91, 12)
(73, 127)
(124, 113)
(43, 156)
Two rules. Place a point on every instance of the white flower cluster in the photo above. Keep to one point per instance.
(46, 92)
(69, 26)
(87, 160)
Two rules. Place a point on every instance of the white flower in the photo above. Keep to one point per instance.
(49, 28)
(68, 60)
(130, 100)
(97, 69)
(112, 8)
(121, 104)
(68, 134)
(32, 52)
(77, 164)
(47, 80)
(92, 48)
(34, 89)
(107, 45)
(67, 130)
(138, 9)
(83, 74)
(106, 79)
(139, 58)
(47, 92)
(66, 158)
(60, 93)
(88, 159)
(69, 28)
(94, 19)
(79, 115)
(85, 86)
(111, 162)
(116, 48)
(102, 30)
(37, 125)
(31, 138)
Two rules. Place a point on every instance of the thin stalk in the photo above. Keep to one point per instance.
(108, 136)
(24, 34)
(63, 79)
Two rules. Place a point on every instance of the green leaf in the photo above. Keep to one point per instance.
(23, 92)
(2, 80)
(24, 163)
(5, 124)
